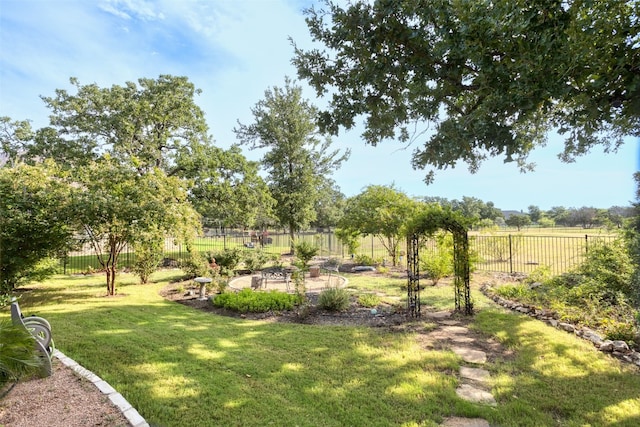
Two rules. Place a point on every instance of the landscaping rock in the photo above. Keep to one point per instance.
(472, 394)
(360, 268)
(566, 327)
(470, 355)
(606, 346)
(592, 336)
(621, 346)
(475, 374)
(465, 422)
(618, 349)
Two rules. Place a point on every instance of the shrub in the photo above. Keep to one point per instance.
(227, 259)
(539, 275)
(18, 357)
(194, 265)
(148, 255)
(369, 300)
(256, 259)
(334, 299)
(363, 259)
(622, 331)
(305, 251)
(515, 291)
(437, 266)
(610, 265)
(248, 300)
(567, 280)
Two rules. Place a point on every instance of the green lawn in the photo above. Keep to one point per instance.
(181, 367)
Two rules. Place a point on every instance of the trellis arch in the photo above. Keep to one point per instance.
(427, 223)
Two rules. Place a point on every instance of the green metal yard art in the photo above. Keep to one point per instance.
(425, 224)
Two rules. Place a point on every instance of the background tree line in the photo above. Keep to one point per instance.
(134, 165)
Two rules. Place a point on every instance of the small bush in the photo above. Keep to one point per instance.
(619, 331)
(18, 357)
(539, 275)
(256, 259)
(227, 259)
(437, 265)
(194, 265)
(305, 252)
(369, 300)
(363, 259)
(610, 265)
(516, 292)
(148, 255)
(249, 301)
(334, 299)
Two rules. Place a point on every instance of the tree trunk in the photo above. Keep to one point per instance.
(292, 239)
(112, 285)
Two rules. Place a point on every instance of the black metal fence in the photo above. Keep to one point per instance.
(511, 253)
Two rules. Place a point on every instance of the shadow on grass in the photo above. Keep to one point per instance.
(180, 366)
(559, 375)
(185, 367)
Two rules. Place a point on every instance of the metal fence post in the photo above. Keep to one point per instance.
(510, 256)
(372, 246)
(586, 243)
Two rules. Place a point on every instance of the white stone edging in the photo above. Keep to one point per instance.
(129, 412)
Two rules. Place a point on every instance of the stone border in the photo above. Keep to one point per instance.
(129, 412)
(618, 349)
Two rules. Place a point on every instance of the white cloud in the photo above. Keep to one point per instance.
(130, 9)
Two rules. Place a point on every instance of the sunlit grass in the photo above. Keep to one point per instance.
(180, 366)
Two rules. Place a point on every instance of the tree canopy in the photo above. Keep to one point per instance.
(381, 211)
(150, 124)
(117, 206)
(296, 160)
(35, 207)
(494, 77)
(227, 189)
(134, 152)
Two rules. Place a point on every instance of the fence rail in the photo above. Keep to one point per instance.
(496, 253)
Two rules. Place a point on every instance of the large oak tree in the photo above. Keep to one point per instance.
(493, 76)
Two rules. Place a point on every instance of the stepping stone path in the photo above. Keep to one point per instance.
(474, 380)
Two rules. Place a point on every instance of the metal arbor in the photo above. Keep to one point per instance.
(428, 222)
(413, 273)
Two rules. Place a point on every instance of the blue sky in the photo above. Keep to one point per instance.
(233, 50)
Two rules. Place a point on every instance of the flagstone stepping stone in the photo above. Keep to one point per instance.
(475, 374)
(464, 422)
(462, 339)
(458, 330)
(438, 314)
(470, 355)
(475, 395)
